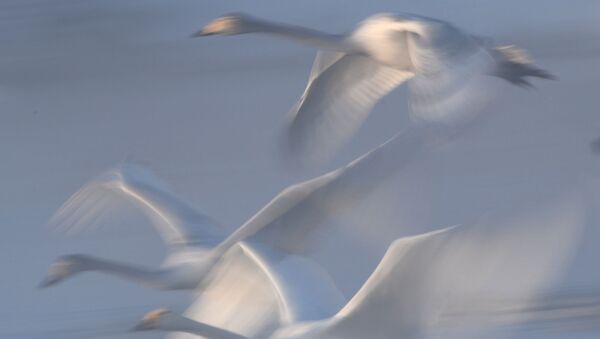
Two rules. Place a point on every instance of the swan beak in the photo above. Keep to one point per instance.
(201, 33)
(48, 281)
(140, 327)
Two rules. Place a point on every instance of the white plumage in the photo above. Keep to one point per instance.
(424, 280)
(447, 69)
(196, 242)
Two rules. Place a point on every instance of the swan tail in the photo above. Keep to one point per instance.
(515, 65)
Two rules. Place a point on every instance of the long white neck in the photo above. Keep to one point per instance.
(177, 323)
(303, 35)
(149, 278)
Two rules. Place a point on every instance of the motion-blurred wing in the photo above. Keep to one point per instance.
(452, 82)
(254, 290)
(238, 296)
(305, 291)
(287, 222)
(422, 277)
(341, 91)
(177, 222)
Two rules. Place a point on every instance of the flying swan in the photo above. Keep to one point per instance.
(423, 280)
(351, 72)
(196, 242)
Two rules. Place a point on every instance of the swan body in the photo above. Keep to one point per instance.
(445, 67)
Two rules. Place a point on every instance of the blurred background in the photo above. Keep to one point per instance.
(85, 84)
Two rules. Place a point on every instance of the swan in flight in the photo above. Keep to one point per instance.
(446, 67)
(196, 242)
(421, 278)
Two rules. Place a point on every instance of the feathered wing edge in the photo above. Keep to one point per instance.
(178, 223)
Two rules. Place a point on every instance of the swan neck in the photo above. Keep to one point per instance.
(126, 271)
(303, 35)
(182, 324)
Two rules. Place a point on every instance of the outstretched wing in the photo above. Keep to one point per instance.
(423, 277)
(177, 222)
(289, 219)
(340, 93)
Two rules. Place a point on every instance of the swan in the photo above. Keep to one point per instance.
(195, 242)
(353, 71)
(422, 278)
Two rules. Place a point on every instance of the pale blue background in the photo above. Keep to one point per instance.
(85, 84)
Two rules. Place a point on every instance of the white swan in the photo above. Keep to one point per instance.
(422, 278)
(353, 71)
(195, 242)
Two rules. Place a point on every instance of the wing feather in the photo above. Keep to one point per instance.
(341, 91)
(178, 223)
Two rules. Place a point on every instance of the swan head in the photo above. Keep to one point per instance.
(63, 268)
(153, 320)
(230, 24)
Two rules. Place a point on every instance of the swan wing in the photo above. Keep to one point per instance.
(178, 223)
(287, 222)
(304, 290)
(323, 60)
(254, 290)
(341, 91)
(238, 296)
(421, 278)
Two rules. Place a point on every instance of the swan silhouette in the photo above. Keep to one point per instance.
(446, 68)
(195, 242)
(422, 280)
